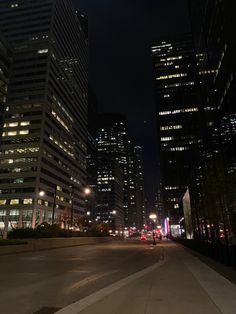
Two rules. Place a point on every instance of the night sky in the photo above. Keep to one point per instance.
(120, 35)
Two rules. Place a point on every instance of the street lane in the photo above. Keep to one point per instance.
(31, 282)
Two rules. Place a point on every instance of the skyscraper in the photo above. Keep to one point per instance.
(139, 188)
(43, 149)
(213, 187)
(177, 117)
(5, 64)
(112, 142)
(110, 195)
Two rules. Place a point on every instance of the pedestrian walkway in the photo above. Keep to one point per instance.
(178, 283)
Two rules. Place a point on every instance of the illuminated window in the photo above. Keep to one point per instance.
(14, 202)
(11, 125)
(167, 138)
(171, 127)
(18, 180)
(171, 187)
(3, 202)
(176, 149)
(25, 123)
(14, 212)
(176, 111)
(170, 76)
(41, 51)
(23, 132)
(27, 201)
(60, 120)
(12, 133)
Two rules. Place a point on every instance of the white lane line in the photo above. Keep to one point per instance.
(80, 305)
(220, 290)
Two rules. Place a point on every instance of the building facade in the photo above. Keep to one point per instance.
(43, 151)
(110, 195)
(5, 67)
(177, 118)
(139, 188)
(213, 186)
(113, 141)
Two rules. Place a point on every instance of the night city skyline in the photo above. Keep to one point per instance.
(117, 157)
(121, 35)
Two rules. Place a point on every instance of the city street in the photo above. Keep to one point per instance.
(118, 277)
(32, 281)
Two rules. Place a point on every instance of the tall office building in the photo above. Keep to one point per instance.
(139, 188)
(5, 65)
(177, 118)
(213, 187)
(131, 212)
(43, 167)
(112, 142)
(110, 197)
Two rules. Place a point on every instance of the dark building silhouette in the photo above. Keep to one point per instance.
(177, 118)
(43, 151)
(139, 188)
(213, 186)
(84, 22)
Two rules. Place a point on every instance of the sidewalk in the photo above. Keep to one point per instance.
(178, 283)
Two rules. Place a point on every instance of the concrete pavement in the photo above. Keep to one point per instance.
(178, 283)
(43, 281)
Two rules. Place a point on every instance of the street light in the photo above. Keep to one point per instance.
(72, 208)
(153, 217)
(54, 203)
(41, 193)
(87, 191)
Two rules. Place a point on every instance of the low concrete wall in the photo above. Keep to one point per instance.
(51, 243)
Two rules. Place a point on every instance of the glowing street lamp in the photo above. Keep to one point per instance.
(41, 193)
(87, 191)
(153, 217)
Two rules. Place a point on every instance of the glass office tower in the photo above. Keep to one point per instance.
(43, 152)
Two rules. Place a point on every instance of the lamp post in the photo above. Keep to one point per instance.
(153, 217)
(54, 204)
(87, 192)
(72, 208)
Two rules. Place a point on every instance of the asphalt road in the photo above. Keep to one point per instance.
(48, 280)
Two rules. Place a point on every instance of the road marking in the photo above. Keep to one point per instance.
(88, 280)
(80, 305)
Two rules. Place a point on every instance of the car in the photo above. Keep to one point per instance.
(143, 237)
